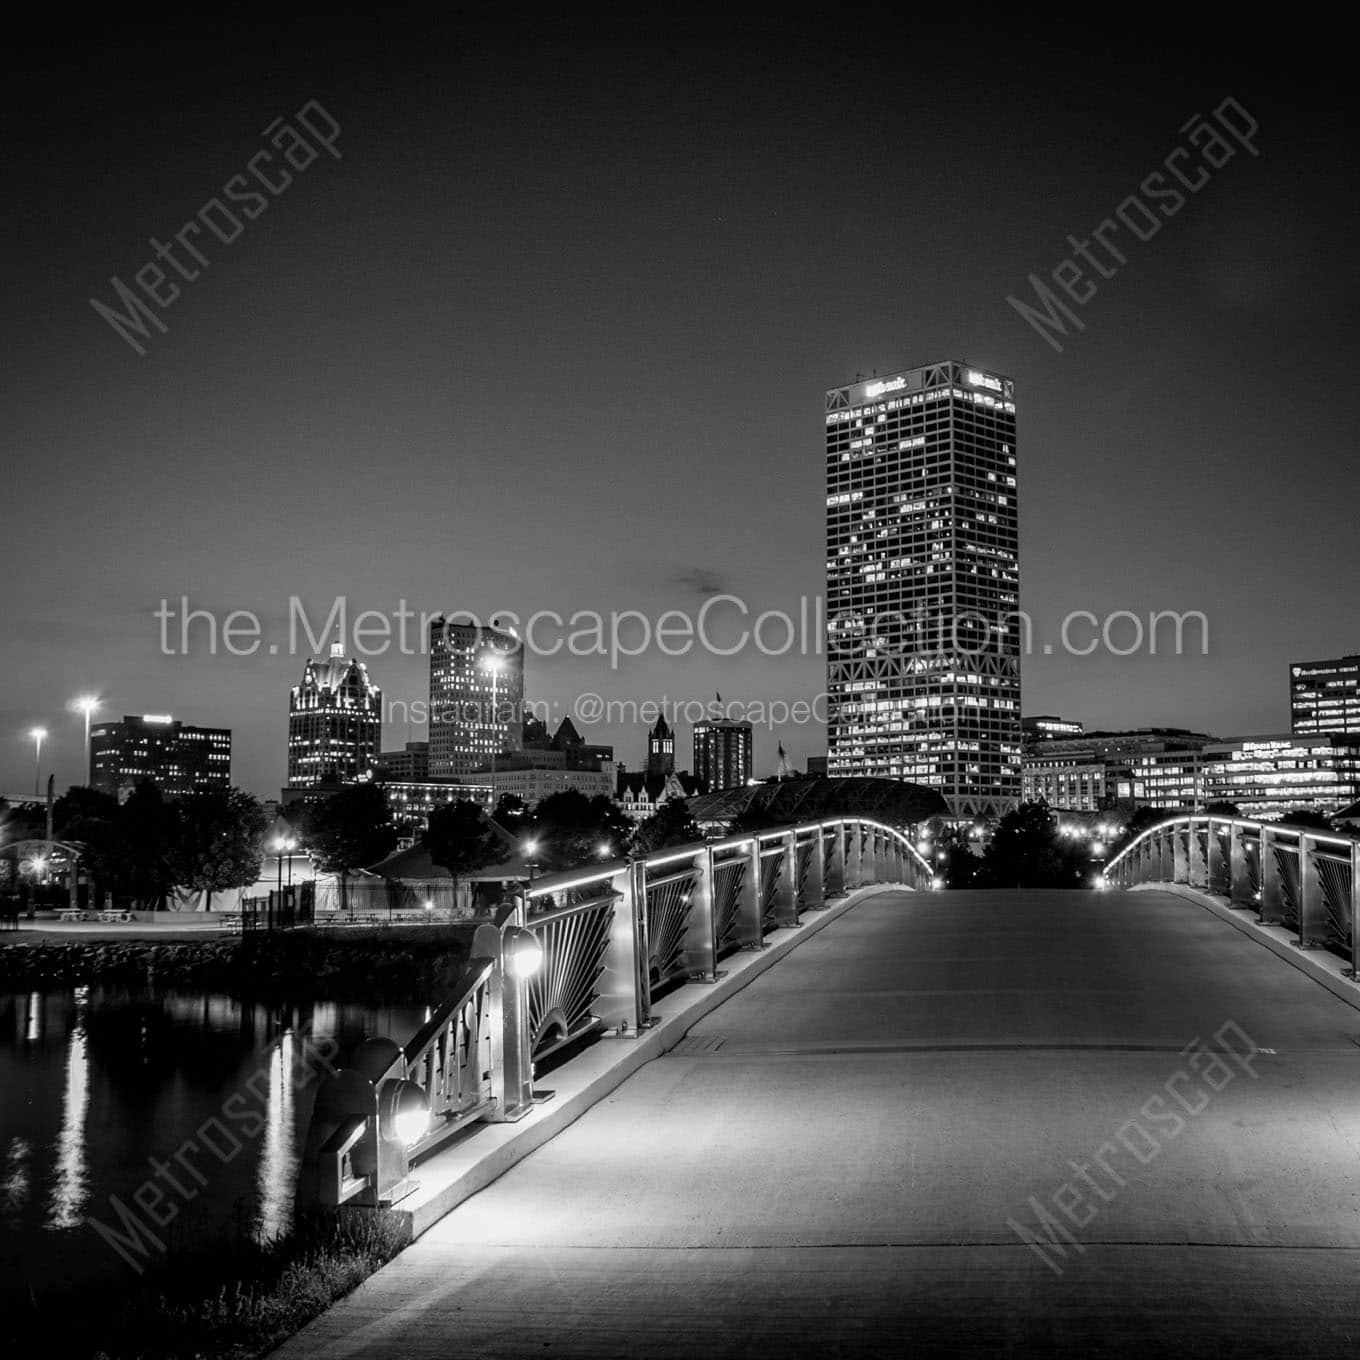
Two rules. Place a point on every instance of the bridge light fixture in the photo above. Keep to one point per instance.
(523, 952)
(403, 1112)
(937, 883)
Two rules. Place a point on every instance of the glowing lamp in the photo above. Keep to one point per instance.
(403, 1112)
(523, 952)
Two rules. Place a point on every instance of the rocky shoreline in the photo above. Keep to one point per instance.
(393, 964)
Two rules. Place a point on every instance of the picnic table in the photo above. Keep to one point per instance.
(72, 914)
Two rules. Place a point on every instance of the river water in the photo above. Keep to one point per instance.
(97, 1084)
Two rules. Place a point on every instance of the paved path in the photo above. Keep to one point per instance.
(828, 1164)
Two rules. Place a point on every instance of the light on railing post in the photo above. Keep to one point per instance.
(523, 952)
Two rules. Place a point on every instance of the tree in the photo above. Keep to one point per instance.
(1222, 808)
(572, 829)
(671, 824)
(221, 835)
(146, 831)
(1025, 852)
(349, 830)
(1306, 819)
(510, 812)
(460, 839)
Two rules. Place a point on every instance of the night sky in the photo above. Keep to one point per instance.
(553, 333)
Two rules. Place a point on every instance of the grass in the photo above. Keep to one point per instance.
(236, 1300)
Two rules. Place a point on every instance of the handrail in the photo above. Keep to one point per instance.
(1292, 876)
(642, 924)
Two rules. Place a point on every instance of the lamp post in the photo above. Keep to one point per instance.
(530, 849)
(37, 733)
(88, 705)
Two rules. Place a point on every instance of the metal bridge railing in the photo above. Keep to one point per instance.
(574, 954)
(1300, 879)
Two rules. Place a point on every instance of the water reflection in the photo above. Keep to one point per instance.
(69, 1188)
(279, 1155)
(16, 1186)
(98, 1085)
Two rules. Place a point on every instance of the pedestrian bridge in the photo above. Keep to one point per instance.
(942, 1123)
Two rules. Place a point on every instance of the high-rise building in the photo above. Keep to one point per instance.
(661, 748)
(177, 758)
(334, 723)
(723, 753)
(476, 696)
(1324, 696)
(922, 565)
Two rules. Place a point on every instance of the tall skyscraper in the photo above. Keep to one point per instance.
(334, 722)
(476, 696)
(177, 758)
(1324, 696)
(723, 753)
(922, 565)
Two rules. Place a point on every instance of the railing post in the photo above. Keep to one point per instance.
(701, 945)
(854, 854)
(1239, 873)
(1198, 871)
(834, 882)
(1354, 970)
(1214, 869)
(784, 908)
(1272, 885)
(512, 1060)
(1312, 909)
(814, 885)
(750, 933)
(625, 990)
(1180, 856)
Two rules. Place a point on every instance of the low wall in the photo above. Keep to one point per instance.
(384, 963)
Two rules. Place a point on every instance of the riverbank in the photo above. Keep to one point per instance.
(415, 963)
(232, 1300)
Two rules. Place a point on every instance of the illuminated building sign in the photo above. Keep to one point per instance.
(983, 380)
(877, 389)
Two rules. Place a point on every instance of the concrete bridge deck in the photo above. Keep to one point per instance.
(828, 1164)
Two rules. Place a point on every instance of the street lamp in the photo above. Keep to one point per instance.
(529, 849)
(278, 846)
(87, 704)
(37, 734)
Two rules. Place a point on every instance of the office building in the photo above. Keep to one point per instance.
(1044, 727)
(546, 765)
(411, 762)
(922, 552)
(476, 696)
(1066, 784)
(410, 801)
(1268, 776)
(723, 753)
(334, 723)
(177, 758)
(1324, 696)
